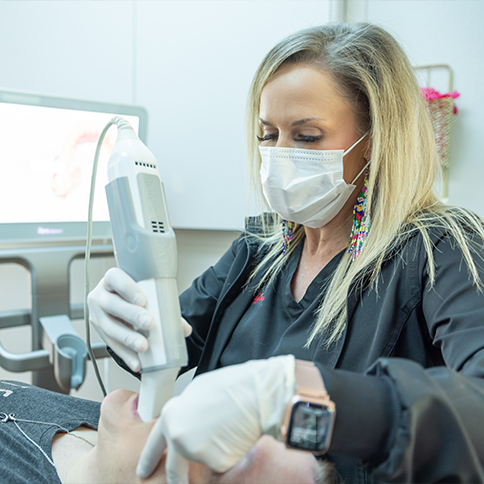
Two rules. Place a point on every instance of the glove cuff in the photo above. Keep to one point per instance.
(277, 385)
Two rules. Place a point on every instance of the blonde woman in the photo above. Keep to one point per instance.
(358, 269)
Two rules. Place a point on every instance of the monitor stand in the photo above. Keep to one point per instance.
(49, 271)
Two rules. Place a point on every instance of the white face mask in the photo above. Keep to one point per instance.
(305, 186)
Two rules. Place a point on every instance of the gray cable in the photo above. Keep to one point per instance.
(88, 255)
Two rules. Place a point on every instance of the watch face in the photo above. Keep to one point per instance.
(309, 426)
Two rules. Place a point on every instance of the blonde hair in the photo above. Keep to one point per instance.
(373, 73)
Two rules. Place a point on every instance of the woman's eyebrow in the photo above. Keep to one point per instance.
(294, 123)
(305, 120)
(264, 122)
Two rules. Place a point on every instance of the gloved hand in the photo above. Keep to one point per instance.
(116, 310)
(220, 416)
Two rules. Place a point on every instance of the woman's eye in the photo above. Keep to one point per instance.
(267, 137)
(308, 139)
(300, 138)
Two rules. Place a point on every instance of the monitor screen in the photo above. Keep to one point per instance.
(46, 157)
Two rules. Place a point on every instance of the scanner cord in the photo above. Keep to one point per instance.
(88, 255)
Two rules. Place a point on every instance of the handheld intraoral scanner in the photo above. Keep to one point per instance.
(145, 248)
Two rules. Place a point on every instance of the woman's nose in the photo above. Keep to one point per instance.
(285, 141)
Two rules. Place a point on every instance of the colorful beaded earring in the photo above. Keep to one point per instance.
(361, 221)
(287, 233)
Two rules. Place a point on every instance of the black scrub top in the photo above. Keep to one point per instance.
(275, 323)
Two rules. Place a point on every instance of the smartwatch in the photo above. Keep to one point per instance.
(310, 415)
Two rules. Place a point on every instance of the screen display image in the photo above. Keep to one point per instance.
(309, 427)
(46, 159)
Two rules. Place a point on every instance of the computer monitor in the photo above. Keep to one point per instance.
(46, 157)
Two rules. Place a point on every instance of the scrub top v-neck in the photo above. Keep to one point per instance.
(275, 323)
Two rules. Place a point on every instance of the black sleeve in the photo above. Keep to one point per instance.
(454, 309)
(199, 301)
(438, 435)
(412, 424)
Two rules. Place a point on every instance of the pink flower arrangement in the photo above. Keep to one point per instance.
(429, 93)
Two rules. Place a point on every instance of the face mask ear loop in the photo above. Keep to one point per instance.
(357, 176)
(351, 147)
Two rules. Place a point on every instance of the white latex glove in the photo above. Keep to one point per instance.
(116, 310)
(220, 416)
